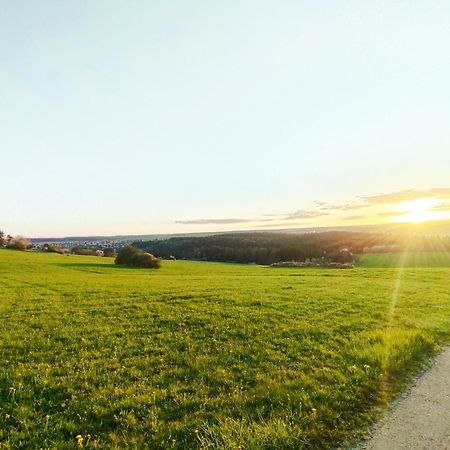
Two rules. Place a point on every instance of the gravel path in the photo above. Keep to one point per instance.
(420, 420)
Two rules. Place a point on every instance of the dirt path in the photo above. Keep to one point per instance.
(420, 420)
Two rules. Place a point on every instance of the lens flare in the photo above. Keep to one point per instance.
(419, 211)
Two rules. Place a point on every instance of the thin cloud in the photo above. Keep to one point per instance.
(283, 225)
(269, 220)
(357, 217)
(273, 219)
(393, 214)
(227, 221)
(345, 207)
(304, 214)
(409, 194)
(353, 206)
(443, 207)
(325, 209)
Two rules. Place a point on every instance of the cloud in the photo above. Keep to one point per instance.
(393, 214)
(284, 225)
(304, 214)
(269, 219)
(353, 206)
(345, 207)
(442, 207)
(213, 221)
(354, 217)
(409, 194)
(324, 209)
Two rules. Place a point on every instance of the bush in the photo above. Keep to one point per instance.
(19, 243)
(132, 256)
(109, 252)
(126, 254)
(53, 248)
(83, 251)
(146, 260)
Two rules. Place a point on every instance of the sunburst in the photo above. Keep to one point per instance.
(419, 211)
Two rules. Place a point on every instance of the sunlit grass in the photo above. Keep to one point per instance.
(406, 259)
(206, 355)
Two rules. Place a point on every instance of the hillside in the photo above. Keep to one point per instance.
(406, 259)
(268, 248)
(206, 355)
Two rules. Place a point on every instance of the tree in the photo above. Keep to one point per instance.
(83, 251)
(126, 254)
(146, 260)
(132, 256)
(53, 248)
(109, 252)
(19, 243)
(2, 238)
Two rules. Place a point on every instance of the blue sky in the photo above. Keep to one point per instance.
(149, 117)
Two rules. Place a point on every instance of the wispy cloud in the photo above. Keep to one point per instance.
(353, 206)
(442, 207)
(213, 221)
(409, 194)
(393, 214)
(357, 217)
(283, 224)
(269, 220)
(304, 214)
(326, 209)
(344, 207)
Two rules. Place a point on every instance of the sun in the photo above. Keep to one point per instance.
(419, 211)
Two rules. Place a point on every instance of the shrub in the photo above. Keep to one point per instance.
(133, 256)
(146, 260)
(109, 252)
(19, 243)
(126, 254)
(53, 248)
(83, 251)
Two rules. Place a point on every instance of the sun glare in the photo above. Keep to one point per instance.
(419, 211)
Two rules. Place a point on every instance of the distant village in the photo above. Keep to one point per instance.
(100, 247)
(69, 245)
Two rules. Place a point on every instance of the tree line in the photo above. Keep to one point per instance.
(268, 247)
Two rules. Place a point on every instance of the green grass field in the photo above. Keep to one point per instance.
(408, 259)
(206, 355)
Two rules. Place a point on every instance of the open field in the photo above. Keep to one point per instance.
(206, 355)
(409, 260)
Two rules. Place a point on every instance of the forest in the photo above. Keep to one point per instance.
(268, 248)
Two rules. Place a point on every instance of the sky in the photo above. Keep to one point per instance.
(134, 117)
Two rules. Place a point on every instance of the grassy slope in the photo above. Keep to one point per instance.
(410, 260)
(205, 355)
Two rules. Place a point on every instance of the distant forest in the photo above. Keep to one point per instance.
(268, 248)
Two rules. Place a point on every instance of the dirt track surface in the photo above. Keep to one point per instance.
(420, 420)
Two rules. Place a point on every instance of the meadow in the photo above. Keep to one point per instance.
(207, 355)
(407, 259)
